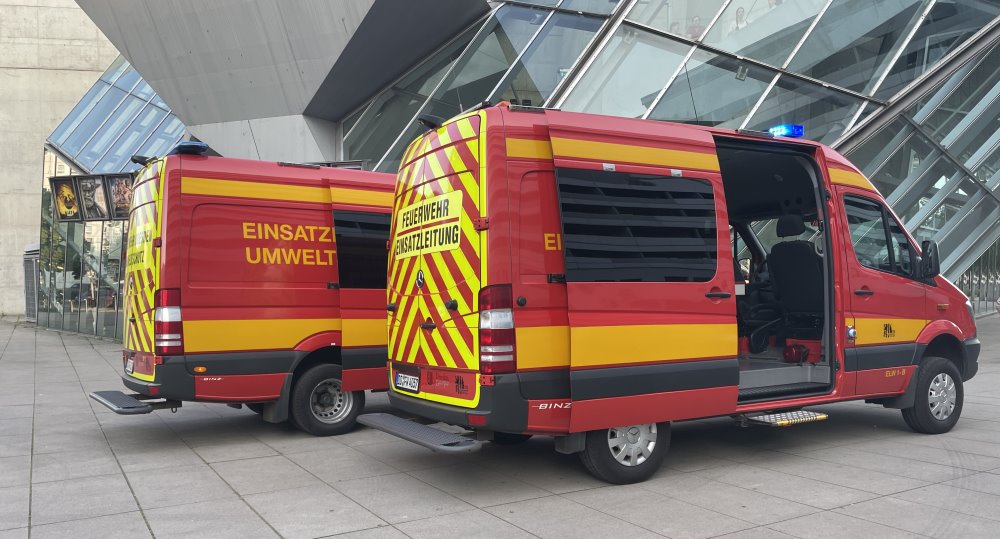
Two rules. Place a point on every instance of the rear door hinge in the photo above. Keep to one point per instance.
(333, 286)
(557, 278)
(481, 223)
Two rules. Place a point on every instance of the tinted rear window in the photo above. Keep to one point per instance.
(361, 248)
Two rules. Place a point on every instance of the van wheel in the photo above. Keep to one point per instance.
(510, 438)
(319, 405)
(623, 455)
(937, 404)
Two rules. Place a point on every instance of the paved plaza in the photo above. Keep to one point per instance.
(69, 467)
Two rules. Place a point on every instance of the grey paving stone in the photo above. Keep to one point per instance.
(341, 464)
(790, 487)
(211, 519)
(478, 486)
(652, 511)
(475, 524)
(130, 525)
(981, 482)
(829, 524)
(399, 497)
(406, 456)
(266, 474)
(12, 446)
(547, 470)
(73, 464)
(232, 448)
(933, 455)
(956, 499)
(866, 460)
(922, 519)
(286, 439)
(17, 533)
(75, 499)
(384, 532)
(13, 427)
(312, 512)
(15, 471)
(156, 456)
(756, 507)
(164, 487)
(761, 532)
(14, 507)
(559, 517)
(847, 476)
(15, 411)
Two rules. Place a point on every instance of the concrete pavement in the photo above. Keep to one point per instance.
(70, 467)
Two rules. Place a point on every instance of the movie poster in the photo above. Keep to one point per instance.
(93, 199)
(119, 189)
(66, 200)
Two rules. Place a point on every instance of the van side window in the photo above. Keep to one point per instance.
(621, 227)
(361, 248)
(879, 242)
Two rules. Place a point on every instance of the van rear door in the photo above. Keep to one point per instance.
(649, 273)
(436, 265)
(142, 271)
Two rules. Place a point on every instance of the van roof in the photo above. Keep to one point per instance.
(222, 167)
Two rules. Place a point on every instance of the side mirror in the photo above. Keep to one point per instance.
(930, 262)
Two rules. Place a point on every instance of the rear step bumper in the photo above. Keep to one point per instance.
(123, 404)
(429, 437)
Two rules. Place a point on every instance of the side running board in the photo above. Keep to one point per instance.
(429, 437)
(784, 419)
(123, 404)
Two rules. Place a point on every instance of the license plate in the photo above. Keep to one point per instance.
(129, 365)
(408, 382)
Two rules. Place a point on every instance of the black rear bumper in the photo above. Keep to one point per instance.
(501, 406)
(170, 381)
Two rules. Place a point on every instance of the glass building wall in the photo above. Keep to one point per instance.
(826, 64)
(80, 281)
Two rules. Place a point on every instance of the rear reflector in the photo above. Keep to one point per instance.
(497, 346)
(168, 333)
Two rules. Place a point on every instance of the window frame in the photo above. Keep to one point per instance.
(887, 217)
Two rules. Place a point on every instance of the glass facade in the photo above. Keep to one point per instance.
(753, 64)
(80, 281)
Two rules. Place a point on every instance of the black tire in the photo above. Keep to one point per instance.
(255, 407)
(510, 438)
(920, 417)
(335, 412)
(597, 456)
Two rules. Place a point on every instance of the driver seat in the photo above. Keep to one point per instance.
(797, 270)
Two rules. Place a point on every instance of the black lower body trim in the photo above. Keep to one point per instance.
(972, 347)
(539, 385)
(244, 362)
(364, 358)
(882, 356)
(753, 393)
(642, 379)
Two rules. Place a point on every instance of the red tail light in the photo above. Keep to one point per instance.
(168, 335)
(497, 346)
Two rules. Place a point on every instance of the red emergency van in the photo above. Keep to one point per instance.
(595, 279)
(255, 283)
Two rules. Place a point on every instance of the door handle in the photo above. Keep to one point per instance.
(864, 292)
(718, 295)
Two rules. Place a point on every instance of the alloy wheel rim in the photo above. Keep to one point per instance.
(328, 402)
(633, 445)
(942, 396)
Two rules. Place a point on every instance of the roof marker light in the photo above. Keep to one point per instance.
(190, 147)
(787, 130)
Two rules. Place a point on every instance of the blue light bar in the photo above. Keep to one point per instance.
(190, 147)
(787, 130)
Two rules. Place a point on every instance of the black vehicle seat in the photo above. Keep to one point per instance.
(797, 270)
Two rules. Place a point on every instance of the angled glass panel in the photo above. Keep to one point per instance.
(764, 30)
(94, 119)
(688, 18)
(388, 113)
(924, 187)
(874, 151)
(602, 7)
(348, 123)
(115, 70)
(853, 40)
(128, 79)
(823, 112)
(109, 132)
(79, 113)
(143, 90)
(952, 206)
(549, 59)
(477, 72)
(901, 163)
(165, 138)
(990, 166)
(950, 109)
(131, 139)
(947, 26)
(627, 75)
(713, 90)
